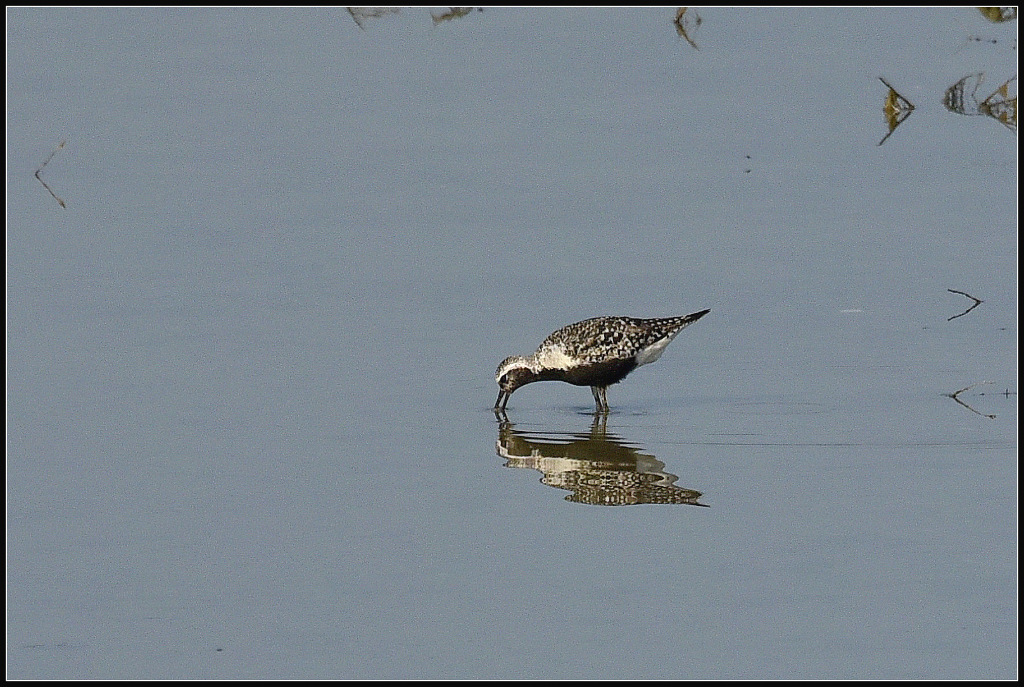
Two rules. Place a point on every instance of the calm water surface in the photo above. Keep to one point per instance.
(250, 360)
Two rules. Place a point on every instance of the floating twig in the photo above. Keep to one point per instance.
(452, 13)
(686, 26)
(956, 397)
(977, 302)
(896, 109)
(999, 14)
(962, 98)
(1001, 106)
(360, 13)
(45, 185)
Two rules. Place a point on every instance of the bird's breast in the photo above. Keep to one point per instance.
(555, 358)
(599, 374)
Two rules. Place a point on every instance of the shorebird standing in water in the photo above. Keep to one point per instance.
(597, 353)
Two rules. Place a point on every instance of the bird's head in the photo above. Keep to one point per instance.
(513, 372)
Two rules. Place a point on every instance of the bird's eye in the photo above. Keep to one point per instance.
(504, 378)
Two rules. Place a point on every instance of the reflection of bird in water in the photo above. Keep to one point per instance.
(597, 353)
(598, 468)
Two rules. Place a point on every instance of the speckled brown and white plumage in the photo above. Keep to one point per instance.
(597, 353)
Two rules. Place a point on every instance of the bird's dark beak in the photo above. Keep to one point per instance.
(500, 404)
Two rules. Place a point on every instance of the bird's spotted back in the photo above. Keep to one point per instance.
(605, 338)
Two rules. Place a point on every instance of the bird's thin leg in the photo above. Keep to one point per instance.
(600, 398)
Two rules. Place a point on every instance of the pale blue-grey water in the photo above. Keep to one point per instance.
(251, 360)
